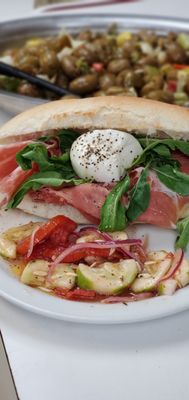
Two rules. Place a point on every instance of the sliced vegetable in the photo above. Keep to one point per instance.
(62, 276)
(7, 247)
(35, 273)
(108, 278)
(45, 231)
(177, 260)
(127, 299)
(21, 232)
(182, 274)
(147, 282)
(104, 249)
(167, 287)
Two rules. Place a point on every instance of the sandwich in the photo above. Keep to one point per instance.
(108, 162)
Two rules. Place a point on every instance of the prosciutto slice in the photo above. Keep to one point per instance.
(165, 207)
(10, 184)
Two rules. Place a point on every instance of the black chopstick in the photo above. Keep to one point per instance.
(11, 71)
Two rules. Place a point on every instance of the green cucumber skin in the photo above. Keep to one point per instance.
(82, 282)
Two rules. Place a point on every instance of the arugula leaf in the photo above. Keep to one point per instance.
(140, 197)
(67, 137)
(162, 150)
(172, 144)
(113, 215)
(183, 233)
(33, 152)
(41, 179)
(172, 178)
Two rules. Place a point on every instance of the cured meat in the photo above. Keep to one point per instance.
(164, 210)
(88, 198)
(7, 166)
(10, 184)
(10, 150)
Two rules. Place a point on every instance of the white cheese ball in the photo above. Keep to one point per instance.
(104, 155)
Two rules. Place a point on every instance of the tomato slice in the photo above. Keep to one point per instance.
(78, 294)
(45, 231)
(82, 253)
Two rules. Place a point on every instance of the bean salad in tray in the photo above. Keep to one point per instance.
(91, 63)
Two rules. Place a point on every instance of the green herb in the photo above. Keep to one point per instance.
(66, 138)
(140, 197)
(53, 179)
(172, 178)
(151, 144)
(54, 170)
(113, 213)
(33, 152)
(183, 233)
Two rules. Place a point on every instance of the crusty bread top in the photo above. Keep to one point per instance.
(137, 115)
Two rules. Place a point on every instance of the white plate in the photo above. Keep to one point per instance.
(41, 303)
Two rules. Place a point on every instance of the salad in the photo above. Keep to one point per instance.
(85, 264)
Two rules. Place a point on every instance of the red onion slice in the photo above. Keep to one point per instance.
(31, 245)
(94, 245)
(177, 260)
(128, 299)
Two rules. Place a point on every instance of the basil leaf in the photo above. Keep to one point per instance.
(140, 197)
(66, 138)
(33, 152)
(113, 216)
(41, 179)
(183, 233)
(175, 180)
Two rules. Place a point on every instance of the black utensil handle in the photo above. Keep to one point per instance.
(11, 71)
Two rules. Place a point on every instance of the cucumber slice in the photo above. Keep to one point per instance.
(63, 276)
(7, 248)
(109, 278)
(147, 282)
(167, 287)
(182, 275)
(35, 273)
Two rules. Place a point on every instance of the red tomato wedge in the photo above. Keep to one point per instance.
(82, 253)
(45, 231)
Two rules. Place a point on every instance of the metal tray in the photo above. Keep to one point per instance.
(16, 32)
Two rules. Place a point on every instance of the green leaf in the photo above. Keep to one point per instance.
(172, 178)
(67, 137)
(113, 216)
(162, 150)
(183, 234)
(140, 197)
(53, 179)
(33, 152)
(182, 146)
(172, 144)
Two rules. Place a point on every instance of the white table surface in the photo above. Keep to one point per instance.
(64, 361)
